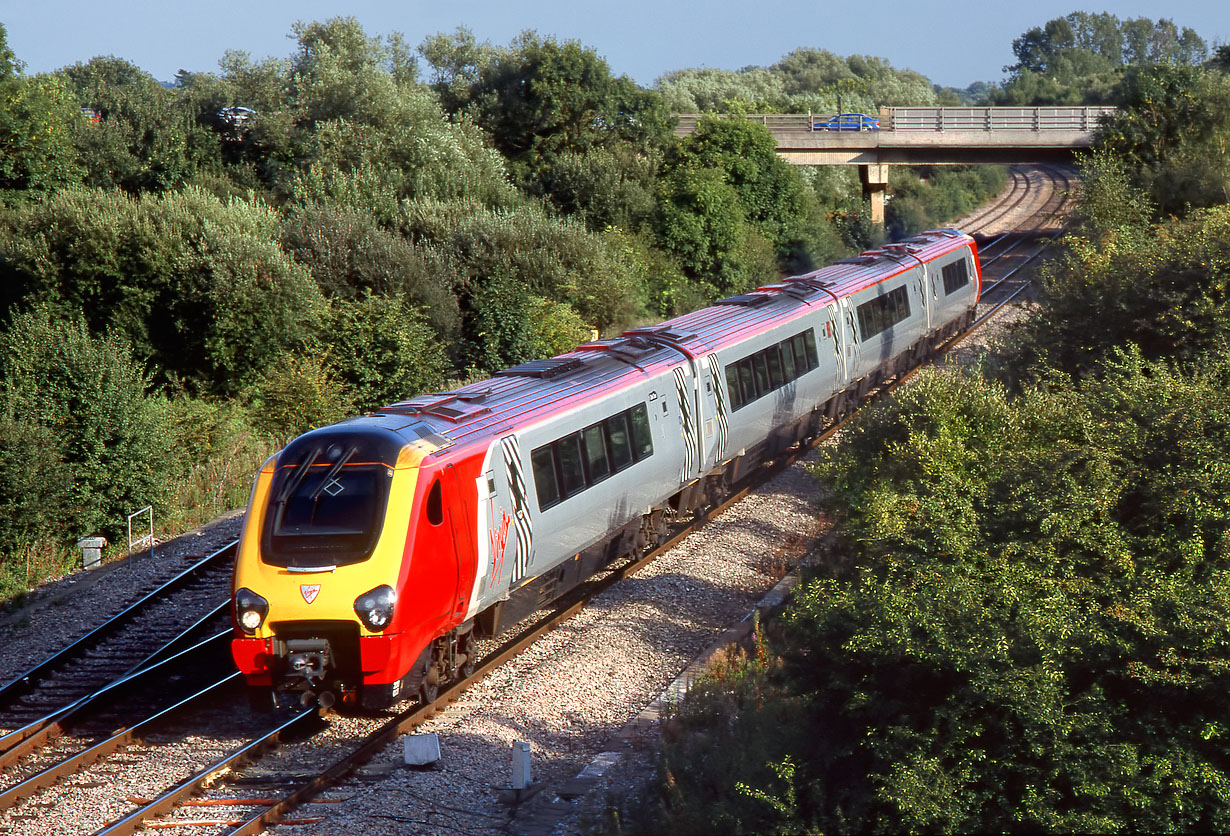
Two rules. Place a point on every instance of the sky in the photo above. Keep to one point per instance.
(643, 39)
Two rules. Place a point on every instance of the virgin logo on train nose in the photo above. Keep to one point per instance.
(309, 591)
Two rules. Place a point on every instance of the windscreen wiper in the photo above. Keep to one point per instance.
(338, 465)
(292, 484)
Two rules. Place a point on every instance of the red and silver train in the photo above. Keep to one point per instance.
(375, 550)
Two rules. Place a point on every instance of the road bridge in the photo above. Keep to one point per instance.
(930, 136)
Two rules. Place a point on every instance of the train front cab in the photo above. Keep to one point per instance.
(348, 567)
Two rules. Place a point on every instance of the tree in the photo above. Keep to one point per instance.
(384, 350)
(36, 153)
(140, 142)
(1170, 132)
(539, 99)
(200, 288)
(92, 397)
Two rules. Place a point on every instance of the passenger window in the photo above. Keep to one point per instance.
(775, 367)
(598, 467)
(762, 373)
(435, 504)
(642, 441)
(621, 442)
(800, 352)
(572, 472)
(809, 342)
(746, 380)
(732, 386)
(544, 477)
(788, 369)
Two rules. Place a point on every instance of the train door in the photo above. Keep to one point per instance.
(459, 512)
(504, 529)
(926, 297)
(522, 525)
(715, 401)
(833, 341)
(689, 420)
(851, 343)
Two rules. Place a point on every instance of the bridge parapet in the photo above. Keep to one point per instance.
(933, 120)
(1082, 119)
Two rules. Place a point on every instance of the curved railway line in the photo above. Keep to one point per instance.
(208, 742)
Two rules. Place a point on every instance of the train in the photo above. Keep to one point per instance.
(376, 551)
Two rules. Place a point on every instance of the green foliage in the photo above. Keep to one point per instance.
(1035, 630)
(110, 434)
(199, 287)
(214, 450)
(701, 221)
(1133, 41)
(554, 327)
(1170, 133)
(384, 350)
(556, 259)
(540, 99)
(407, 151)
(36, 151)
(141, 141)
(1078, 59)
(511, 325)
(1026, 631)
(1162, 290)
(603, 187)
(296, 393)
(807, 80)
(350, 255)
(924, 198)
(1109, 207)
(34, 492)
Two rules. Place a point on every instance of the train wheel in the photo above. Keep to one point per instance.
(429, 690)
(467, 646)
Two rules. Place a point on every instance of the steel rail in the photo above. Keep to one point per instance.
(19, 743)
(24, 682)
(50, 776)
(170, 799)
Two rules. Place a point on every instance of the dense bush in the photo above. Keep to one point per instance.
(925, 198)
(200, 288)
(349, 255)
(1160, 289)
(93, 397)
(384, 350)
(296, 393)
(556, 259)
(1027, 631)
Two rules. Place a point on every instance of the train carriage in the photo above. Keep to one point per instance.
(374, 550)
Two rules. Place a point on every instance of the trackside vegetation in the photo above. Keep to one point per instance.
(1021, 619)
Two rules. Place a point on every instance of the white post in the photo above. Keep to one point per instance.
(522, 775)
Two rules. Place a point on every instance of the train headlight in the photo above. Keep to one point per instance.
(375, 608)
(250, 610)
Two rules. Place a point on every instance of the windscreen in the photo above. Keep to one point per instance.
(327, 501)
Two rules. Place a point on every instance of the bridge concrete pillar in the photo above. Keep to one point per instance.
(875, 186)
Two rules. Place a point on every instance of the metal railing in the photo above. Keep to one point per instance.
(146, 540)
(1083, 119)
(933, 119)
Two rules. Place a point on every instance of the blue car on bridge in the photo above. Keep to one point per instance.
(849, 122)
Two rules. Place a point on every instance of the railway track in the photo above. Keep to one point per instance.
(164, 621)
(283, 780)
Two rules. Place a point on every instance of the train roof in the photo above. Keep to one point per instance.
(532, 391)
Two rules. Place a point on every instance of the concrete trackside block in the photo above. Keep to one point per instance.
(422, 749)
